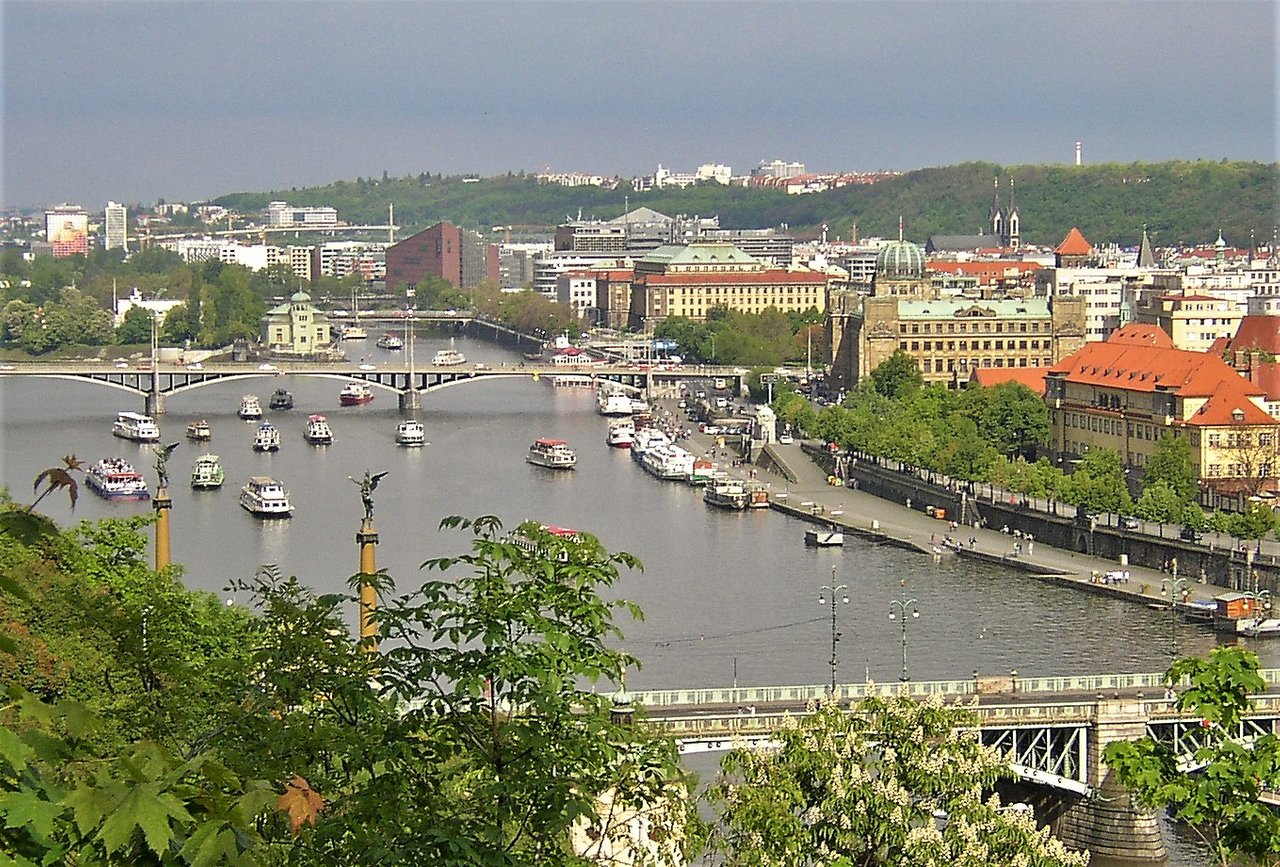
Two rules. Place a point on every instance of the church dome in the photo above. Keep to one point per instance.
(900, 260)
(300, 297)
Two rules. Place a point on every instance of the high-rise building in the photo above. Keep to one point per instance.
(117, 227)
(463, 258)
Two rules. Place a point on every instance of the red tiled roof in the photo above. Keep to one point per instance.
(996, 268)
(1135, 367)
(1230, 405)
(1267, 378)
(1258, 332)
(1031, 377)
(1138, 334)
(1074, 244)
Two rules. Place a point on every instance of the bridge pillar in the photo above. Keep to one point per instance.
(1110, 825)
(410, 400)
(155, 403)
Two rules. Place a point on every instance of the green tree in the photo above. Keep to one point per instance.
(135, 328)
(1171, 463)
(1098, 484)
(1160, 503)
(1216, 792)
(866, 788)
(897, 375)
(1013, 418)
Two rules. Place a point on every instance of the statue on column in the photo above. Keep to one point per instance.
(162, 460)
(367, 486)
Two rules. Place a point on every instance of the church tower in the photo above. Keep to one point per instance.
(1012, 222)
(996, 218)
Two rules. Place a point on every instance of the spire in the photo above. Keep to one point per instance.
(1146, 258)
(899, 227)
(1273, 261)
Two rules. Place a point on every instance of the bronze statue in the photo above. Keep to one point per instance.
(367, 486)
(162, 459)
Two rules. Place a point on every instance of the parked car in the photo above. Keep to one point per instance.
(785, 440)
(1129, 522)
(1187, 534)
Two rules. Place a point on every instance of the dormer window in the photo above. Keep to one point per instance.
(1237, 415)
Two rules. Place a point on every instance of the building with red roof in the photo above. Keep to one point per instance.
(1128, 391)
(1031, 377)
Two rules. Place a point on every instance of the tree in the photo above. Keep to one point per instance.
(1216, 793)
(1160, 504)
(1170, 463)
(136, 327)
(1014, 419)
(867, 788)
(1098, 484)
(897, 375)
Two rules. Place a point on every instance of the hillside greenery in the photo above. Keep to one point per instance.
(1182, 202)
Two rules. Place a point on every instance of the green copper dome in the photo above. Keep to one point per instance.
(900, 260)
(300, 297)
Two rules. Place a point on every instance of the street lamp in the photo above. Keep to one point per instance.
(835, 592)
(899, 609)
(1176, 589)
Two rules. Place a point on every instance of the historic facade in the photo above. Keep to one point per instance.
(297, 328)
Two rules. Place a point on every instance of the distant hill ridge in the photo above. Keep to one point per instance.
(1181, 202)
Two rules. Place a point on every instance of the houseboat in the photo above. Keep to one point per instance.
(355, 394)
(199, 431)
(354, 332)
(1248, 614)
(267, 438)
(448, 358)
(389, 341)
(250, 408)
(116, 479)
(757, 496)
(136, 426)
(264, 497)
(318, 432)
(411, 433)
(725, 494)
(613, 403)
(553, 454)
(621, 433)
(207, 473)
(280, 399)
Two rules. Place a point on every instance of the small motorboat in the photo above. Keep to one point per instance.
(199, 431)
(207, 473)
(411, 433)
(280, 399)
(819, 538)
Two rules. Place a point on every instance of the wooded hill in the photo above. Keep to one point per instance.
(1182, 203)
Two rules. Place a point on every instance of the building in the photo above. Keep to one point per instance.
(116, 236)
(1193, 322)
(516, 264)
(577, 290)
(1128, 391)
(284, 215)
(461, 258)
(691, 281)
(297, 328)
(67, 230)
(158, 307)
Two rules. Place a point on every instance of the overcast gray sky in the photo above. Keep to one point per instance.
(184, 100)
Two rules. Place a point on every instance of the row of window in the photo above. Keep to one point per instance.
(1238, 471)
(1113, 426)
(963, 327)
(950, 345)
(938, 365)
(1239, 440)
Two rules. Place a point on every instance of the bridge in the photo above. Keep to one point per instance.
(153, 383)
(1052, 731)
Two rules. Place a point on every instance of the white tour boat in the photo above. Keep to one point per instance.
(411, 433)
(667, 462)
(265, 497)
(354, 332)
(136, 426)
(726, 494)
(207, 473)
(389, 341)
(614, 403)
(116, 479)
(554, 454)
(199, 431)
(267, 438)
(448, 358)
(621, 433)
(647, 438)
(318, 432)
(355, 394)
(250, 408)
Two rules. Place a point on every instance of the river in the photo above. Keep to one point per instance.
(725, 594)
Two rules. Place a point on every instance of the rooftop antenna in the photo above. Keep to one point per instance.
(1078, 152)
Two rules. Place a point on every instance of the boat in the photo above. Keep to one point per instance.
(267, 438)
(355, 394)
(280, 399)
(725, 494)
(533, 356)
(621, 433)
(553, 454)
(701, 472)
(815, 537)
(136, 426)
(265, 497)
(199, 431)
(411, 433)
(614, 403)
(354, 332)
(207, 473)
(668, 462)
(389, 341)
(638, 405)
(757, 496)
(647, 438)
(250, 408)
(318, 432)
(116, 479)
(1261, 627)
(448, 358)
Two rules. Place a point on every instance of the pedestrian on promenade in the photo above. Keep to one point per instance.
(1031, 544)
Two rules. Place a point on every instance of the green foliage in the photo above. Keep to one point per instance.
(1171, 464)
(1098, 484)
(897, 375)
(136, 327)
(1160, 503)
(1218, 799)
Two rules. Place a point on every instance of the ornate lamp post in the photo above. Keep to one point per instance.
(1176, 589)
(836, 593)
(900, 609)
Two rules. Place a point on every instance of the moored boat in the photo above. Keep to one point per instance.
(280, 399)
(207, 473)
(250, 408)
(758, 496)
(355, 394)
(411, 433)
(701, 472)
(318, 432)
(136, 427)
(816, 537)
(668, 462)
(199, 431)
(647, 438)
(354, 332)
(267, 438)
(725, 494)
(264, 497)
(553, 454)
(614, 403)
(116, 479)
(621, 433)
(448, 358)
(389, 341)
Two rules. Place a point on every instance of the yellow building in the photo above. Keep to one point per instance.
(296, 328)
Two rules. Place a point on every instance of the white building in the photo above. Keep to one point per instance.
(117, 227)
(548, 267)
(780, 169)
(721, 174)
(282, 214)
(577, 289)
(159, 307)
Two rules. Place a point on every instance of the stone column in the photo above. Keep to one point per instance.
(162, 504)
(367, 539)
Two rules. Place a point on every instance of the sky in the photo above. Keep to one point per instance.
(140, 101)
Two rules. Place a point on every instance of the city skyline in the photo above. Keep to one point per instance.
(137, 101)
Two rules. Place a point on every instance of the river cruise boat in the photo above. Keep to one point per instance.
(355, 394)
(116, 479)
(318, 432)
(726, 494)
(621, 433)
(668, 462)
(389, 341)
(250, 408)
(647, 438)
(207, 473)
(816, 537)
(280, 399)
(448, 358)
(411, 433)
(553, 454)
(614, 403)
(265, 497)
(199, 431)
(354, 332)
(136, 426)
(267, 438)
